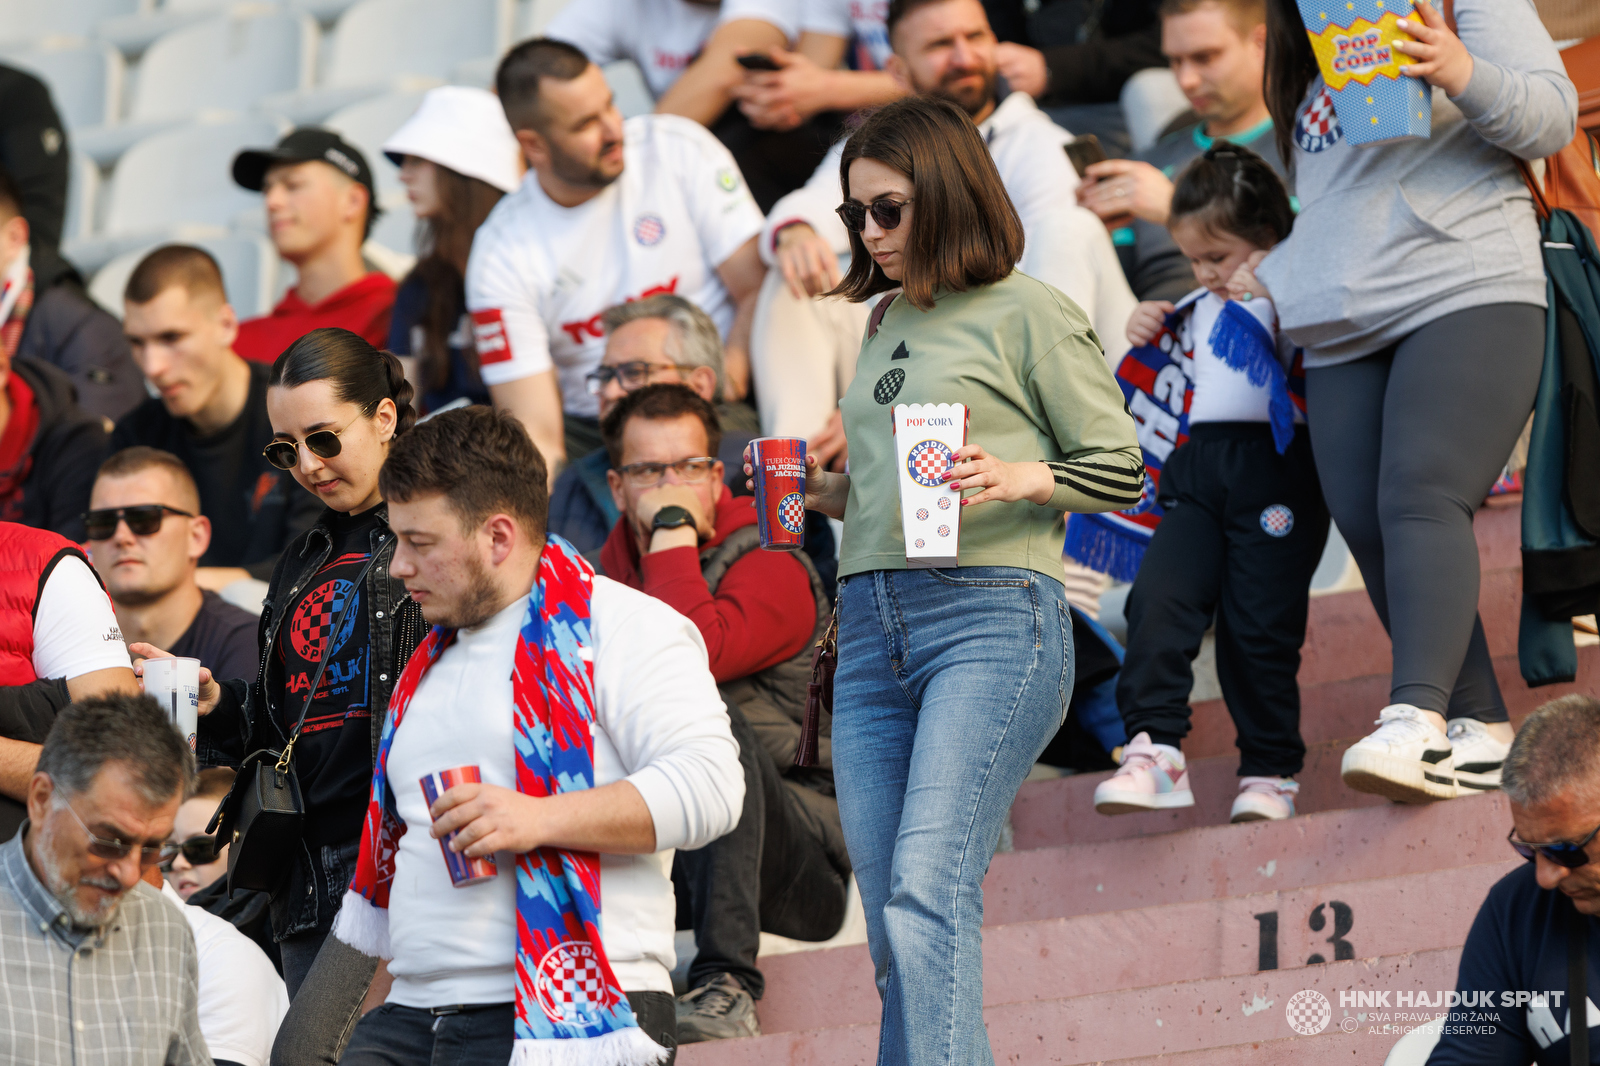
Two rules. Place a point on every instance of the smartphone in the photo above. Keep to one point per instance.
(762, 61)
(1082, 151)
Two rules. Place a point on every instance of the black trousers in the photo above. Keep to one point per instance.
(770, 874)
(1244, 530)
(393, 1035)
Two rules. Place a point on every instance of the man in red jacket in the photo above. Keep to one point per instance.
(685, 539)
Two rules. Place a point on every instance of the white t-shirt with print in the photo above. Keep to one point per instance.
(540, 274)
(1223, 393)
(863, 22)
(75, 631)
(662, 37)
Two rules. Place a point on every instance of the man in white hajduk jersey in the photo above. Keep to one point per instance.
(613, 211)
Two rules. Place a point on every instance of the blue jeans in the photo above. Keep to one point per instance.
(950, 683)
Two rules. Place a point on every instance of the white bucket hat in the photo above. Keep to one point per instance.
(463, 129)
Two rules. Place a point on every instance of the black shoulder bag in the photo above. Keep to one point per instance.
(262, 817)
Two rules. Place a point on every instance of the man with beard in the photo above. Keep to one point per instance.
(99, 968)
(613, 211)
(590, 724)
(804, 347)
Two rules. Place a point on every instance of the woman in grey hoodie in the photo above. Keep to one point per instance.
(1414, 281)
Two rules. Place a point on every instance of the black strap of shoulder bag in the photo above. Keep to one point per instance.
(262, 817)
(1578, 985)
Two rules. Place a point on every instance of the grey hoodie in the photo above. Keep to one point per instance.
(1392, 236)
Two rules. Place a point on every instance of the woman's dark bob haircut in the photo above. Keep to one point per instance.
(964, 229)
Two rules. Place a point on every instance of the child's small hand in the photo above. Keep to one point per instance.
(1147, 320)
(1244, 285)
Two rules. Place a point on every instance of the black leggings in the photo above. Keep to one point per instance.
(1408, 442)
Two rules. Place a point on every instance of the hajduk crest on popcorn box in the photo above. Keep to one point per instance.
(926, 439)
(1354, 44)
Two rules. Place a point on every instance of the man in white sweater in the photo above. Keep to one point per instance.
(803, 348)
(467, 499)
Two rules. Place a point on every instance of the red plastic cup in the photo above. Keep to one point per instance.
(779, 466)
(464, 871)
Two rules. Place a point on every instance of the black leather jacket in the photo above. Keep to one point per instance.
(246, 717)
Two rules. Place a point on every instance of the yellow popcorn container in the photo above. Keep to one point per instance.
(1354, 44)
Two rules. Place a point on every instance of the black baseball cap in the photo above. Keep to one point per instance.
(304, 145)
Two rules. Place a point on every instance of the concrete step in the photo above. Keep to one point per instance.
(1218, 862)
(1152, 946)
(1334, 1047)
(1169, 1019)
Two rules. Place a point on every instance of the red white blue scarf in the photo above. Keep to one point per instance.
(569, 1009)
(1157, 380)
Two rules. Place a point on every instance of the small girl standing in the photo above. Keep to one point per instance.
(1244, 522)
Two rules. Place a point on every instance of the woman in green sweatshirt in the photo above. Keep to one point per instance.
(951, 681)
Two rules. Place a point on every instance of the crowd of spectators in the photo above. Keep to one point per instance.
(622, 306)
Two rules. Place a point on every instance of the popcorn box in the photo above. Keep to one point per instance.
(1354, 44)
(926, 438)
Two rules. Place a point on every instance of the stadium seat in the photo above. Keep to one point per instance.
(179, 178)
(85, 79)
(624, 76)
(134, 33)
(83, 197)
(249, 272)
(367, 125)
(22, 21)
(382, 46)
(321, 10)
(222, 64)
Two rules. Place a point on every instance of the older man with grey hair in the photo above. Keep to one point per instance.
(1533, 949)
(659, 340)
(98, 967)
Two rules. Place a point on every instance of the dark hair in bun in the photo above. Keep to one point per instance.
(361, 374)
(1232, 190)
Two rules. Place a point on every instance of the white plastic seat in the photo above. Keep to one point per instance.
(220, 65)
(135, 33)
(83, 195)
(249, 272)
(180, 178)
(382, 46)
(85, 79)
(22, 21)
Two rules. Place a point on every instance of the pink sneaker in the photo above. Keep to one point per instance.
(1153, 777)
(1265, 799)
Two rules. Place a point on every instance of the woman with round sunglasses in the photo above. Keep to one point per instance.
(950, 681)
(335, 404)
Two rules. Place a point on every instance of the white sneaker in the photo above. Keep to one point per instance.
(1477, 756)
(1406, 758)
(1265, 799)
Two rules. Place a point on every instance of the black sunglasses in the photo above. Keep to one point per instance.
(324, 444)
(886, 213)
(198, 850)
(143, 520)
(101, 848)
(1563, 853)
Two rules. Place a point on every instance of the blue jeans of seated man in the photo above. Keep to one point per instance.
(950, 683)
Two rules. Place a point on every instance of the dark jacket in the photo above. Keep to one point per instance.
(33, 149)
(1117, 39)
(247, 716)
(66, 453)
(72, 333)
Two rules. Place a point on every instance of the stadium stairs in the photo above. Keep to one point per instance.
(1176, 938)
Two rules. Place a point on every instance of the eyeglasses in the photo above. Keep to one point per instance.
(198, 850)
(324, 444)
(886, 213)
(101, 848)
(689, 471)
(1561, 852)
(143, 520)
(631, 375)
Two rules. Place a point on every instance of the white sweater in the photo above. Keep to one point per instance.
(660, 725)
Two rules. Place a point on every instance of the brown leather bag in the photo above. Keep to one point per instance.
(1570, 179)
(819, 692)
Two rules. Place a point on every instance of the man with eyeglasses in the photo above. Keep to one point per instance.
(1521, 940)
(98, 967)
(146, 538)
(660, 340)
(686, 540)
